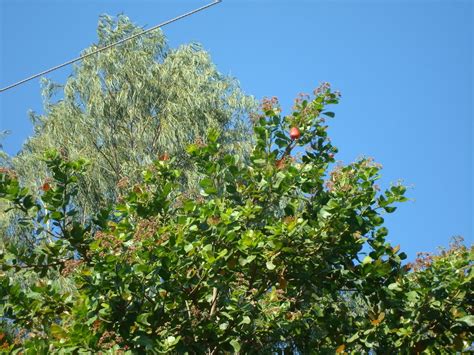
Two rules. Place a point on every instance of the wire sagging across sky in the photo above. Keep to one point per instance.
(110, 45)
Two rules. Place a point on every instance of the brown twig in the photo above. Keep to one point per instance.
(214, 301)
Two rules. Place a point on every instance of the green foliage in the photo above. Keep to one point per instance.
(129, 105)
(436, 303)
(4, 162)
(272, 253)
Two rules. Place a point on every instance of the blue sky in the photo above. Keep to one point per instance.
(405, 70)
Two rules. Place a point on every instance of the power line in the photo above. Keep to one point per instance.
(110, 45)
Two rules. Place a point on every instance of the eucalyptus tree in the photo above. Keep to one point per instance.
(129, 105)
(4, 163)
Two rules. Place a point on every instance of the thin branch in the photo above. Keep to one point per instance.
(34, 266)
(214, 301)
(106, 158)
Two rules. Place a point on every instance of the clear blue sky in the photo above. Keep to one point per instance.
(405, 69)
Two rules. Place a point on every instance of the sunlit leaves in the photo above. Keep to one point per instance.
(278, 251)
(130, 105)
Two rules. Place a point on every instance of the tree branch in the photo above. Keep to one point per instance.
(214, 301)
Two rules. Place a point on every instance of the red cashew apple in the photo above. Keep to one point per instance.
(295, 133)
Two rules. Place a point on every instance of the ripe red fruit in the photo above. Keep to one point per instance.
(46, 187)
(295, 133)
(164, 157)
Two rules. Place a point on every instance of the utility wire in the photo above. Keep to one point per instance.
(110, 45)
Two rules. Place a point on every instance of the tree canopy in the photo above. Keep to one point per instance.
(280, 252)
(125, 107)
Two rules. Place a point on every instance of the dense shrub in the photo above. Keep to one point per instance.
(280, 251)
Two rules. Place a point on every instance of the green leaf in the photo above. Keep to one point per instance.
(270, 265)
(367, 260)
(143, 318)
(382, 232)
(412, 296)
(247, 260)
(172, 340)
(394, 286)
(324, 213)
(281, 143)
(389, 209)
(245, 320)
(208, 185)
(207, 247)
(57, 331)
(140, 268)
(352, 338)
(213, 135)
(235, 344)
(377, 220)
(469, 320)
(206, 182)
(259, 162)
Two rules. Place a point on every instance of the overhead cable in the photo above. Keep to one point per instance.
(110, 46)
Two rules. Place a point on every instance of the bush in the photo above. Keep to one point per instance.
(272, 254)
